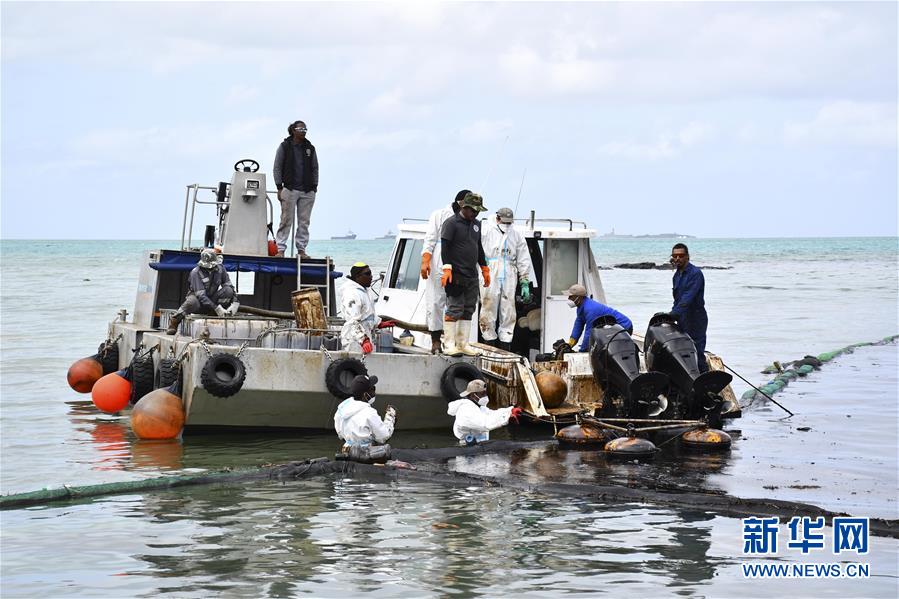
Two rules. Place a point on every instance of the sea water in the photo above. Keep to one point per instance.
(771, 299)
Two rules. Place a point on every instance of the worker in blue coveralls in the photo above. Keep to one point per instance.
(588, 310)
(688, 288)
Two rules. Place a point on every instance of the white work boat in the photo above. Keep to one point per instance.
(294, 372)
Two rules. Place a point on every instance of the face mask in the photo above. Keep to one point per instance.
(571, 304)
(483, 401)
(371, 400)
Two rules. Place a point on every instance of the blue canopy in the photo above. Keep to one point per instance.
(185, 261)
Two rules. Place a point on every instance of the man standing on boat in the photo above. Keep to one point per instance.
(431, 263)
(296, 177)
(588, 310)
(462, 253)
(209, 291)
(510, 263)
(358, 311)
(688, 288)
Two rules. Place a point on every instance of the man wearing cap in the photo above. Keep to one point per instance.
(431, 263)
(358, 311)
(510, 265)
(358, 424)
(474, 420)
(462, 254)
(588, 310)
(688, 289)
(296, 177)
(209, 291)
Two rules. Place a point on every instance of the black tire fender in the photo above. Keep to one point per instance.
(223, 375)
(169, 371)
(142, 375)
(340, 375)
(108, 353)
(455, 379)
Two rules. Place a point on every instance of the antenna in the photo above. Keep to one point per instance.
(520, 187)
(490, 172)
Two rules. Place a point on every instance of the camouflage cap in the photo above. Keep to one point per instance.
(473, 200)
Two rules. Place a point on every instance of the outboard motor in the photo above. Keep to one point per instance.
(670, 350)
(616, 368)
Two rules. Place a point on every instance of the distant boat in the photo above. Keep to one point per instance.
(349, 235)
(390, 235)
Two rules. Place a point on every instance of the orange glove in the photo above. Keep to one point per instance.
(426, 265)
(485, 270)
(516, 412)
(367, 347)
(447, 276)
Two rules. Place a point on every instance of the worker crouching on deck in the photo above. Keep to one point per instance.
(358, 311)
(209, 291)
(359, 426)
(474, 420)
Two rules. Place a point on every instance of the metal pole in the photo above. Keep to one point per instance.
(328, 286)
(193, 208)
(184, 218)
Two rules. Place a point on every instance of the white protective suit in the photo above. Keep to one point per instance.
(476, 421)
(509, 260)
(358, 310)
(435, 296)
(357, 423)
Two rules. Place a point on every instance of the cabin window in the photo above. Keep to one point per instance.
(563, 264)
(407, 265)
(244, 282)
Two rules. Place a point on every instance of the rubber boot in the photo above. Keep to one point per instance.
(449, 337)
(463, 329)
(435, 342)
(174, 322)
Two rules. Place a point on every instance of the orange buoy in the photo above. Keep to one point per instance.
(84, 373)
(552, 387)
(158, 415)
(112, 392)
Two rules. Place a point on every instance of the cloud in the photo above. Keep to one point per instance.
(395, 105)
(484, 130)
(365, 140)
(666, 144)
(856, 123)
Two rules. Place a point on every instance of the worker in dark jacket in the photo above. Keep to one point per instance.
(296, 177)
(209, 291)
(588, 310)
(688, 288)
(462, 253)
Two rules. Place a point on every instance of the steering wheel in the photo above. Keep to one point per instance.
(247, 165)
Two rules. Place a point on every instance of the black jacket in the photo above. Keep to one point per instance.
(285, 166)
(460, 245)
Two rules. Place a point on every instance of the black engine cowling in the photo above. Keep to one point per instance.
(670, 350)
(616, 368)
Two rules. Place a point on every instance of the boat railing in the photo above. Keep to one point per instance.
(531, 222)
(191, 201)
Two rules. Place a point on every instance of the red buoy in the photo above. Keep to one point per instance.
(272, 248)
(158, 415)
(84, 373)
(112, 392)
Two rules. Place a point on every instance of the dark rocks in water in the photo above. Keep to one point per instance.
(654, 266)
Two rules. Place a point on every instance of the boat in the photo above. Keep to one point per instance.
(278, 362)
(389, 235)
(349, 235)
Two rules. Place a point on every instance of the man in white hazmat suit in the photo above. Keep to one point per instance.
(510, 265)
(474, 420)
(360, 427)
(431, 269)
(358, 310)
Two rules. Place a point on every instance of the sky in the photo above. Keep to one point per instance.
(710, 119)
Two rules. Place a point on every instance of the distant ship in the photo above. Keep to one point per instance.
(349, 235)
(390, 235)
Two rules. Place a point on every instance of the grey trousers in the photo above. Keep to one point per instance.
(192, 305)
(301, 202)
(461, 298)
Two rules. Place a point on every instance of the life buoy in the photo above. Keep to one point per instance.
(223, 375)
(340, 375)
(108, 352)
(168, 372)
(455, 379)
(142, 377)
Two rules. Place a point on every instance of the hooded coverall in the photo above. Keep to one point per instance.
(510, 262)
(358, 311)
(435, 296)
(357, 423)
